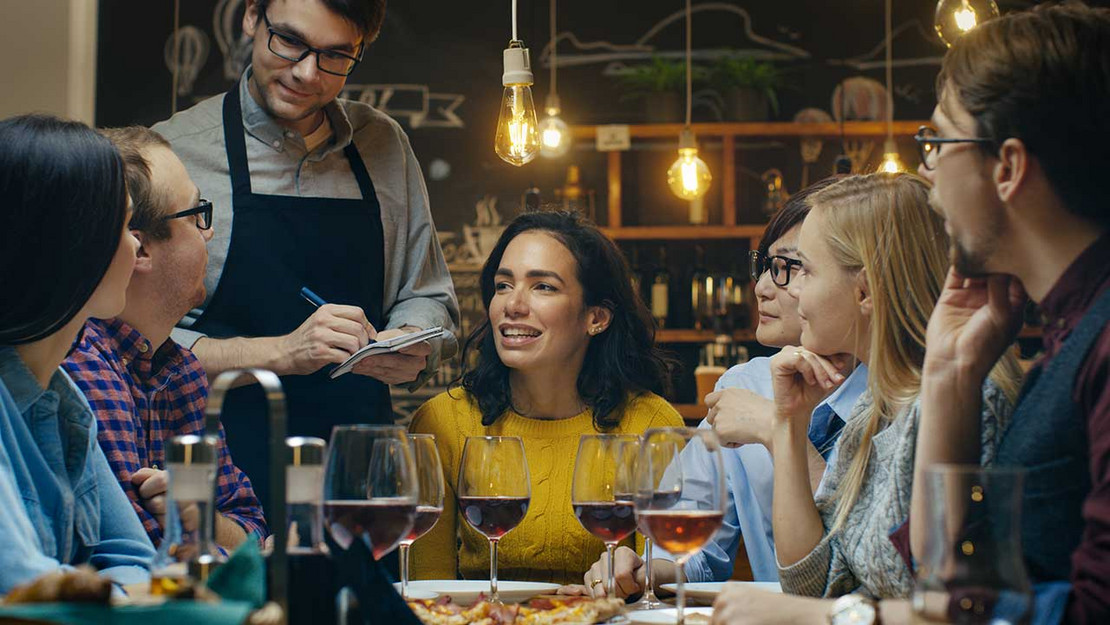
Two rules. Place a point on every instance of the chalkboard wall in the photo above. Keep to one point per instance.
(454, 48)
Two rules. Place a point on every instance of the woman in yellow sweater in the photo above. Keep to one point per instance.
(567, 349)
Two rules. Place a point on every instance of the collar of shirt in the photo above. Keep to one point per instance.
(839, 405)
(261, 126)
(1074, 291)
(151, 368)
(61, 397)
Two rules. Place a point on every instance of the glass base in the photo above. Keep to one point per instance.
(648, 602)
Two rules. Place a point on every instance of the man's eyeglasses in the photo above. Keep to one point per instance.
(779, 266)
(929, 144)
(203, 212)
(293, 49)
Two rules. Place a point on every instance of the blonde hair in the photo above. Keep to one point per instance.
(882, 224)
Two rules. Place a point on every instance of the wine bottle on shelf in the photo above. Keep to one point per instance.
(660, 287)
(637, 275)
(701, 295)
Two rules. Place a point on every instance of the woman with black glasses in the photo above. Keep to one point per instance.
(740, 410)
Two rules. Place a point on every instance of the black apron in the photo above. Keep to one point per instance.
(278, 245)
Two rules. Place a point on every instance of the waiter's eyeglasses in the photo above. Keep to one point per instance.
(203, 212)
(293, 49)
(779, 266)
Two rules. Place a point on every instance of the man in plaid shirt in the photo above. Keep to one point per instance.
(144, 387)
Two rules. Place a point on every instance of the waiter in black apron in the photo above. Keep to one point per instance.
(339, 247)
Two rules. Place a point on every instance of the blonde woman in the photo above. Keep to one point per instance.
(874, 258)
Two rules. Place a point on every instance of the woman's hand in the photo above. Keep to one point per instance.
(802, 379)
(738, 603)
(739, 416)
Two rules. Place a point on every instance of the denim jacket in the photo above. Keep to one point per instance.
(60, 504)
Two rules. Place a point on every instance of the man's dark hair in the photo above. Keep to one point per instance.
(366, 15)
(64, 202)
(792, 213)
(148, 206)
(621, 362)
(1042, 76)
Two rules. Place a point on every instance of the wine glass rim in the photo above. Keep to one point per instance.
(611, 436)
(496, 438)
(950, 469)
(366, 427)
(421, 436)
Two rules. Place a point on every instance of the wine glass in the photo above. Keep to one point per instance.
(628, 456)
(494, 491)
(972, 569)
(680, 509)
(602, 492)
(370, 486)
(430, 504)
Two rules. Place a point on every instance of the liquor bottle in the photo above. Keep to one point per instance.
(637, 275)
(531, 199)
(701, 292)
(660, 287)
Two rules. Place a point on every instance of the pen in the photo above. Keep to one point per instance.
(312, 298)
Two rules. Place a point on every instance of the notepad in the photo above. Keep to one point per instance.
(387, 346)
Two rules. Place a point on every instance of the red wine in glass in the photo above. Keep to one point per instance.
(493, 517)
(382, 522)
(426, 517)
(681, 531)
(611, 521)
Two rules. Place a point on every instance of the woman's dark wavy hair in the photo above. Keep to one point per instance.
(620, 362)
(62, 204)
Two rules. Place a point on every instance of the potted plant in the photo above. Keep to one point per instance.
(661, 85)
(748, 88)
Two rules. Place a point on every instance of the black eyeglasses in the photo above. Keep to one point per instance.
(929, 144)
(779, 266)
(291, 48)
(203, 211)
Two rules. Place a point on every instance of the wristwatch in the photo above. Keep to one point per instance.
(854, 610)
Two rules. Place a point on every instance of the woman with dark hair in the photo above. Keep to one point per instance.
(567, 349)
(740, 411)
(65, 255)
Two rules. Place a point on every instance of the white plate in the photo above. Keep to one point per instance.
(707, 591)
(666, 615)
(465, 592)
(416, 594)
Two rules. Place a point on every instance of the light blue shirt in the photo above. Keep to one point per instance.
(60, 503)
(749, 472)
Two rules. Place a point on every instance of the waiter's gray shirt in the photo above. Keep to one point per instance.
(418, 290)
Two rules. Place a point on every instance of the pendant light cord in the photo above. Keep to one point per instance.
(689, 63)
(514, 21)
(554, 48)
(889, 76)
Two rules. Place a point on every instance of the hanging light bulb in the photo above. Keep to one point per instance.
(688, 177)
(954, 18)
(517, 141)
(554, 132)
(891, 163)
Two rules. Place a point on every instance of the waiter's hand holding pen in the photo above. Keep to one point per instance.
(328, 336)
(397, 368)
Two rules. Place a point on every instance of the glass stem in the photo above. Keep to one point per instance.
(493, 597)
(680, 590)
(649, 578)
(404, 570)
(611, 585)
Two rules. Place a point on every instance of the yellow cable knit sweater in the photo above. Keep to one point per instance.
(549, 545)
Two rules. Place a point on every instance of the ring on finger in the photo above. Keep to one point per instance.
(594, 583)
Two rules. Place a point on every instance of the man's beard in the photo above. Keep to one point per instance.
(969, 264)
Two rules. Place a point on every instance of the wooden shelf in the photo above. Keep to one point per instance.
(760, 129)
(680, 335)
(1031, 332)
(685, 233)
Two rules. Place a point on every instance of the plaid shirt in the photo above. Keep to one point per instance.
(143, 397)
